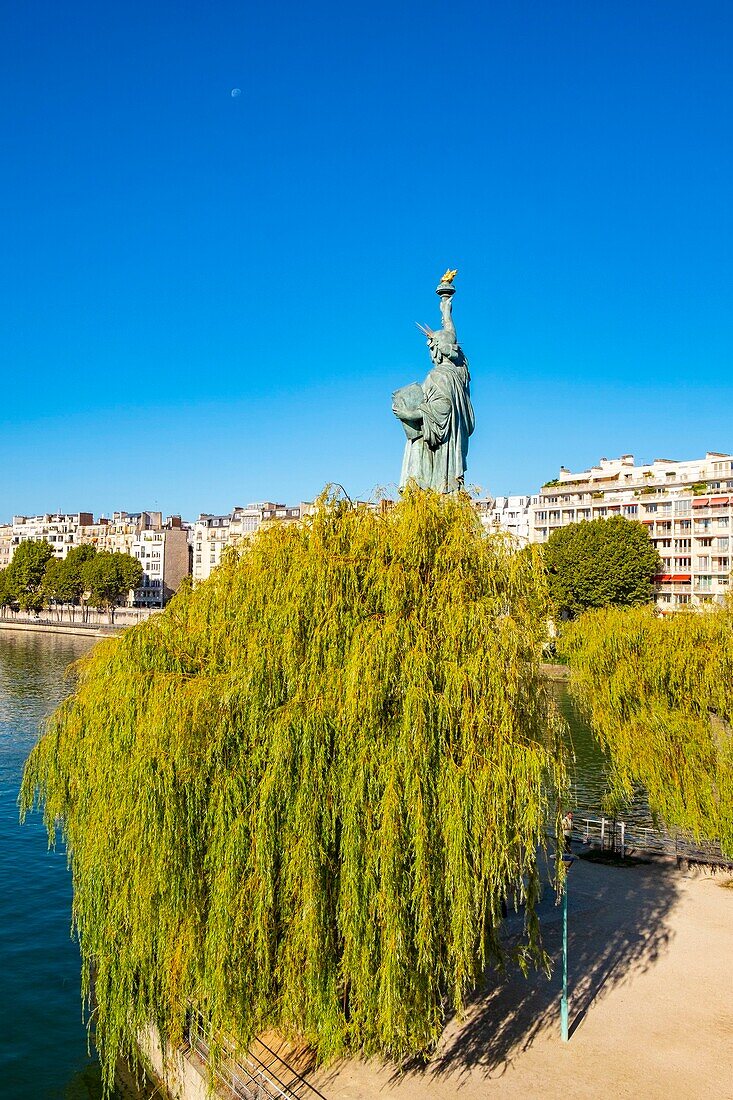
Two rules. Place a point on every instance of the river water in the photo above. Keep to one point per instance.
(43, 1052)
(588, 769)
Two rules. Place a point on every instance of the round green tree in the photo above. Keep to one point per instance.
(24, 575)
(299, 796)
(599, 563)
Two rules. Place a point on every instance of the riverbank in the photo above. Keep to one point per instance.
(77, 630)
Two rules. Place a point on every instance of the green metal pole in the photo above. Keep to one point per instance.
(564, 999)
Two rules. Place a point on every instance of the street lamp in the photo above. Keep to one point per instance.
(568, 861)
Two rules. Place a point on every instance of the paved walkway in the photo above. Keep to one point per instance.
(651, 1010)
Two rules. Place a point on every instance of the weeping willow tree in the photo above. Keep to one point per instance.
(657, 692)
(299, 796)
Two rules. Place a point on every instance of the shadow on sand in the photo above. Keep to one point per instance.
(618, 927)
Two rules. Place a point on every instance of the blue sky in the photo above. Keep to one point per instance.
(207, 299)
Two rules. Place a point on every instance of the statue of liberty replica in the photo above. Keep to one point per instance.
(437, 416)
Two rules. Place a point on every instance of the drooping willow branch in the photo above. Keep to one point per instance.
(658, 695)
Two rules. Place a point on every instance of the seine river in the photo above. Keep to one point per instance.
(43, 1053)
(44, 1049)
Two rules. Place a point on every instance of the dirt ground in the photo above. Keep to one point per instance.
(651, 1004)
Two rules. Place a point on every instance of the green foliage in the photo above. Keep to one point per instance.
(699, 488)
(551, 484)
(298, 796)
(658, 694)
(26, 571)
(70, 579)
(7, 595)
(63, 580)
(108, 578)
(52, 582)
(600, 562)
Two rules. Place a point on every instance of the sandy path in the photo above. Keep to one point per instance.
(651, 978)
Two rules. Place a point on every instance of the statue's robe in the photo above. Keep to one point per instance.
(436, 459)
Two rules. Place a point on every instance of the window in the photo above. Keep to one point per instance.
(703, 562)
(683, 599)
(722, 543)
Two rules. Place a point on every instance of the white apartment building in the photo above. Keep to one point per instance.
(687, 508)
(510, 514)
(59, 530)
(212, 534)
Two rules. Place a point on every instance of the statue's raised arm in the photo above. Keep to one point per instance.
(446, 290)
(446, 311)
(438, 416)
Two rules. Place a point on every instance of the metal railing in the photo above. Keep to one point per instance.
(258, 1073)
(623, 837)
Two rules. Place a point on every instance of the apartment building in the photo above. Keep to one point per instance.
(164, 553)
(59, 530)
(212, 534)
(509, 514)
(687, 508)
(6, 544)
(117, 534)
